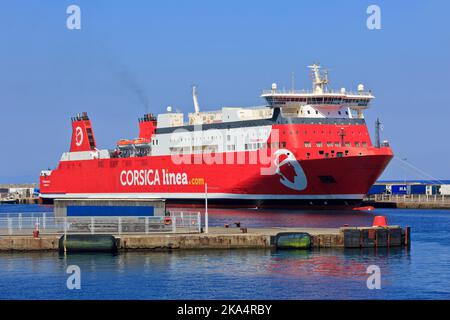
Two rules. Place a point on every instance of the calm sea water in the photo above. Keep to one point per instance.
(423, 272)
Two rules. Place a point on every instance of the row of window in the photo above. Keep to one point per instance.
(322, 132)
(195, 149)
(191, 139)
(336, 144)
(263, 145)
(317, 112)
(333, 154)
(317, 100)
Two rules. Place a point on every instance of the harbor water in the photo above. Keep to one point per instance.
(420, 272)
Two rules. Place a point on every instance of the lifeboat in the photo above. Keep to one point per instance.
(132, 142)
(141, 141)
(125, 142)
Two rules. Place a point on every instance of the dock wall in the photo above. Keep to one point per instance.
(256, 239)
(196, 241)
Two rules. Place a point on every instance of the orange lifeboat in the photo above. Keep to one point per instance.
(128, 142)
(125, 142)
(141, 141)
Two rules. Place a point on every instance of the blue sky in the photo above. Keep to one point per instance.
(129, 54)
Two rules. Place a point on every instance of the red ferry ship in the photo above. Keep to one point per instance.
(302, 149)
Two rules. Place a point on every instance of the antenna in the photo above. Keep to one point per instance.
(293, 81)
(318, 82)
(325, 76)
(194, 98)
(377, 133)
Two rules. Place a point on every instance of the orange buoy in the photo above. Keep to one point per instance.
(167, 220)
(379, 221)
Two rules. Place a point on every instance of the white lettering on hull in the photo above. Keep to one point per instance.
(150, 177)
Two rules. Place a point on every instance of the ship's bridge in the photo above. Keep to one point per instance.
(319, 101)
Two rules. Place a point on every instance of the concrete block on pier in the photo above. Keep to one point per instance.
(371, 237)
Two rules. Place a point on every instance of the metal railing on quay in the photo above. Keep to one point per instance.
(413, 198)
(180, 222)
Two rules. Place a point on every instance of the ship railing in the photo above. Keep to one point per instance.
(325, 92)
(188, 222)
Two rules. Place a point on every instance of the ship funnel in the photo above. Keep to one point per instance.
(82, 134)
(147, 126)
(194, 97)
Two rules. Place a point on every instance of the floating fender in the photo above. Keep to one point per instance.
(87, 243)
(293, 240)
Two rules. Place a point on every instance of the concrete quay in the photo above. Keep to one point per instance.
(227, 238)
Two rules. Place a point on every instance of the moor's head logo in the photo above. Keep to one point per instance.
(290, 171)
(78, 136)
